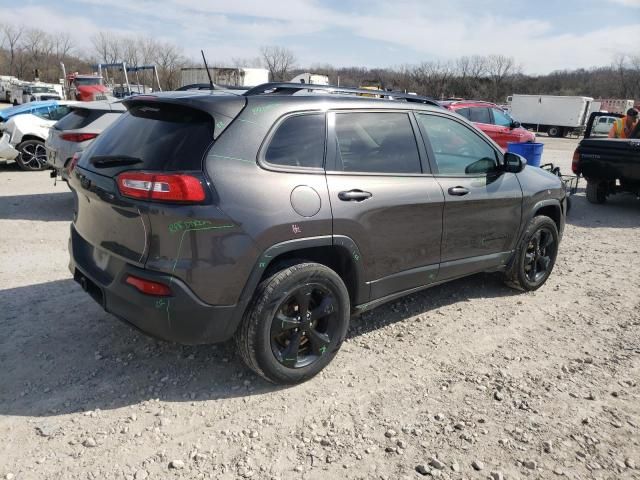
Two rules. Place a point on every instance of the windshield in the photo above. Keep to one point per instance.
(88, 81)
(42, 90)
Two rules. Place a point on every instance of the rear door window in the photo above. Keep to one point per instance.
(160, 136)
(298, 142)
(480, 115)
(465, 112)
(377, 143)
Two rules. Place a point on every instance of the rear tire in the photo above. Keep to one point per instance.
(33, 155)
(296, 323)
(535, 256)
(554, 132)
(596, 191)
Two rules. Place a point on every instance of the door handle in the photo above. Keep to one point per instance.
(354, 196)
(458, 191)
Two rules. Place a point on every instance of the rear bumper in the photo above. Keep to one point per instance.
(181, 318)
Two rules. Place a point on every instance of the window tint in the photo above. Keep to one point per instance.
(457, 149)
(377, 143)
(501, 118)
(53, 113)
(465, 112)
(480, 115)
(163, 136)
(298, 142)
(79, 118)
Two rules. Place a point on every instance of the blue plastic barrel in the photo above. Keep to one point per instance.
(531, 151)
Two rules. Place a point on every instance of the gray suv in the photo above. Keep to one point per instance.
(274, 215)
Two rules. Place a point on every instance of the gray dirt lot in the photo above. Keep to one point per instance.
(468, 380)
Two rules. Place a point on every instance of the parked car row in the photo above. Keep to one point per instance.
(45, 134)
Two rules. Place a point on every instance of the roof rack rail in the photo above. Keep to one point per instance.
(283, 88)
(472, 101)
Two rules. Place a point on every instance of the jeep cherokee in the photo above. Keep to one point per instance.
(274, 215)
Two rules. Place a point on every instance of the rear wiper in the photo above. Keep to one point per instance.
(104, 161)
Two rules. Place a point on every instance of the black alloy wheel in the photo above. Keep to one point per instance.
(535, 255)
(304, 326)
(538, 257)
(296, 322)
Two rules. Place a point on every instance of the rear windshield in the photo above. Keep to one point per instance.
(161, 136)
(79, 118)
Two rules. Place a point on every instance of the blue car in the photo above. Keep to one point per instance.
(31, 107)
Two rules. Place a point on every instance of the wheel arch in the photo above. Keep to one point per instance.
(30, 136)
(551, 209)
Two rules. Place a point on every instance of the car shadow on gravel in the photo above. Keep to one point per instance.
(428, 301)
(46, 207)
(61, 353)
(619, 211)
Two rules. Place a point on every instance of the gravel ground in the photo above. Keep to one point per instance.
(468, 380)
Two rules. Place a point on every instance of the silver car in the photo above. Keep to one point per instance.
(75, 132)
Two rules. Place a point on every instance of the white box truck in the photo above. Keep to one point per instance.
(555, 115)
(232, 77)
(312, 78)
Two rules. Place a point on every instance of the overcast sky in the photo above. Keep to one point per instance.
(542, 35)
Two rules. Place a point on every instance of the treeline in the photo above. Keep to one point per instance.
(494, 78)
(30, 52)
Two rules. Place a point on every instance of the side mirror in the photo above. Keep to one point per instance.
(514, 163)
(515, 124)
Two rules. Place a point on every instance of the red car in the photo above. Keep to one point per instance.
(492, 120)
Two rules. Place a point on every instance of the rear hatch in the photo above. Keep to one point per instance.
(157, 135)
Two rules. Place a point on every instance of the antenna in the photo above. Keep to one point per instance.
(206, 67)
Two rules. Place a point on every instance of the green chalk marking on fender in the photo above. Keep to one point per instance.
(323, 349)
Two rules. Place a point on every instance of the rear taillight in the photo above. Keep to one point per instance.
(178, 187)
(72, 163)
(575, 162)
(148, 287)
(78, 137)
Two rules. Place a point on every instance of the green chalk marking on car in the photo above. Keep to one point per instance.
(160, 303)
(263, 108)
(323, 349)
(189, 224)
(220, 125)
(263, 264)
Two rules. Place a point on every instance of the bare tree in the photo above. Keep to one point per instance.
(12, 34)
(62, 45)
(169, 61)
(498, 68)
(279, 60)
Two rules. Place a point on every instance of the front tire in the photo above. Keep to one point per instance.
(596, 191)
(535, 256)
(33, 155)
(295, 324)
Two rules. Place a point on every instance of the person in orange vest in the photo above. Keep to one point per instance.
(623, 127)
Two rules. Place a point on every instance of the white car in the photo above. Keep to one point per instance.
(75, 132)
(22, 137)
(603, 125)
